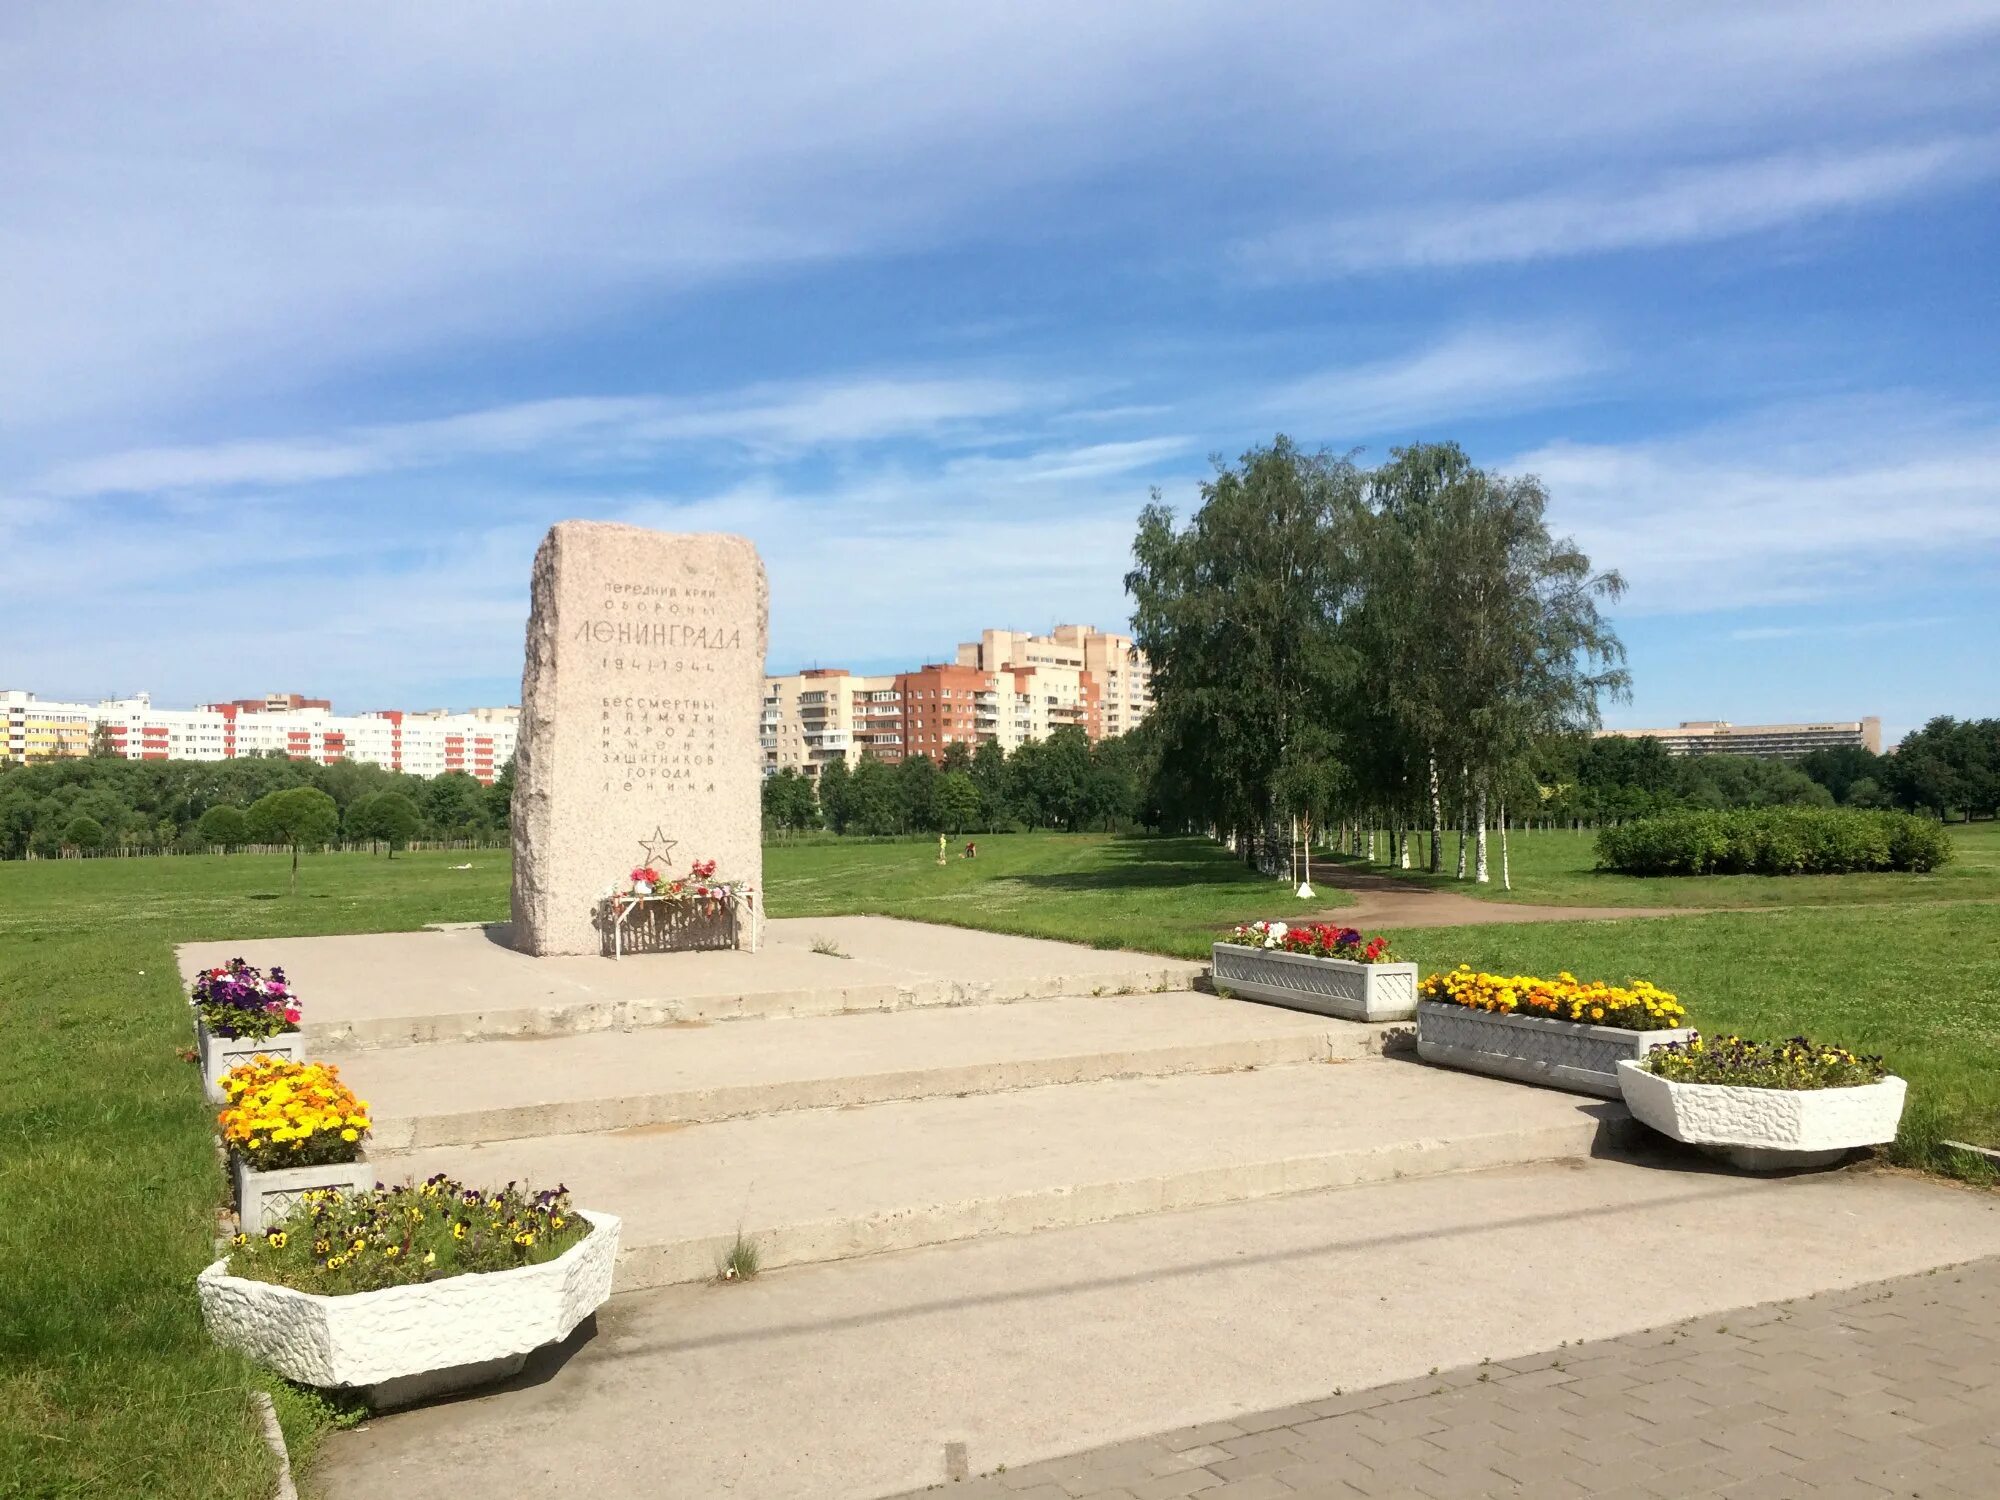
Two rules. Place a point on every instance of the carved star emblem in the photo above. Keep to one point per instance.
(659, 849)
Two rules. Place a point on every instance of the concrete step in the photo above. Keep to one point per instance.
(848, 1381)
(403, 988)
(823, 1185)
(461, 1093)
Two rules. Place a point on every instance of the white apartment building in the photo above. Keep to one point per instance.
(479, 741)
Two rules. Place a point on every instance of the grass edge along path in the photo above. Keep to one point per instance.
(109, 1384)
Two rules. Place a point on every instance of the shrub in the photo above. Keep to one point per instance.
(333, 1243)
(1637, 1006)
(1794, 1064)
(1773, 841)
(291, 1114)
(239, 1001)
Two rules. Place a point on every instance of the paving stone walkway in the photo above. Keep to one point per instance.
(1888, 1390)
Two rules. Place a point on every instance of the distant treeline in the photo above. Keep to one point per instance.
(1063, 782)
(101, 804)
(1949, 768)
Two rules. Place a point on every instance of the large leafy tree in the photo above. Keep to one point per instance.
(1241, 613)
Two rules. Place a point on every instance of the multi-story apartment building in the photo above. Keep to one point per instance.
(478, 742)
(1103, 674)
(1007, 687)
(826, 714)
(1776, 741)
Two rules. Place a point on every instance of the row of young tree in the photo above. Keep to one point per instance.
(106, 803)
(1387, 648)
(1062, 782)
(1408, 647)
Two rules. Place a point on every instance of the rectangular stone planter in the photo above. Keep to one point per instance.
(1560, 1054)
(263, 1198)
(1766, 1130)
(221, 1053)
(410, 1343)
(1328, 986)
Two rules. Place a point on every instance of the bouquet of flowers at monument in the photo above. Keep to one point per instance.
(698, 888)
(645, 880)
(238, 1001)
(283, 1113)
(335, 1243)
(1315, 939)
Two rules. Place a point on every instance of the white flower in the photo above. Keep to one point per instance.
(1274, 933)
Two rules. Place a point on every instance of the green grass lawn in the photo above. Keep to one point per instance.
(1165, 895)
(108, 1384)
(1557, 868)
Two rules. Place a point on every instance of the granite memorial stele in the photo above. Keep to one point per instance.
(640, 699)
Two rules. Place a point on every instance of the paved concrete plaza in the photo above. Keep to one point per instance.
(848, 1380)
(1116, 1207)
(1891, 1389)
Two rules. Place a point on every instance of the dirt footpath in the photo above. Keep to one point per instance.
(1384, 901)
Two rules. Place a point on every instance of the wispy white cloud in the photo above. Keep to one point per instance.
(1838, 630)
(1844, 501)
(1464, 375)
(772, 420)
(1678, 207)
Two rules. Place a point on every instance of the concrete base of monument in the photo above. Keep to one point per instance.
(458, 984)
(830, 1184)
(469, 1093)
(848, 1381)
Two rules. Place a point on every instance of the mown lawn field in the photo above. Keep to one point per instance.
(1165, 895)
(1557, 867)
(108, 1180)
(108, 1385)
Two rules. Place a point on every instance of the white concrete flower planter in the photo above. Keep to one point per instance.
(1329, 986)
(221, 1053)
(410, 1343)
(264, 1198)
(1766, 1130)
(1532, 1049)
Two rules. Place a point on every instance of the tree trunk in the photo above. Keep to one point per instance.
(295, 870)
(1480, 874)
(1506, 874)
(1403, 854)
(1437, 822)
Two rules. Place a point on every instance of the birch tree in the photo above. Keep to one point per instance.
(1241, 614)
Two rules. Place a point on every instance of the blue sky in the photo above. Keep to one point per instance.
(313, 319)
